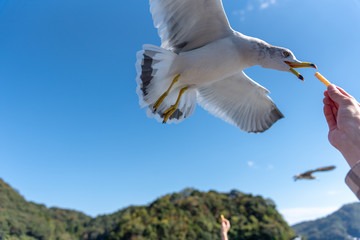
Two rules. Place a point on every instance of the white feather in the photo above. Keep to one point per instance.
(161, 78)
(186, 106)
(194, 22)
(160, 68)
(240, 101)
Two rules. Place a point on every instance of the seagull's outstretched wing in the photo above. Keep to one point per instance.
(240, 101)
(321, 169)
(324, 169)
(188, 24)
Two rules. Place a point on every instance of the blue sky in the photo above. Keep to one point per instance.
(72, 133)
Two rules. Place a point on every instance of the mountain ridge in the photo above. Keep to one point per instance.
(188, 214)
(340, 225)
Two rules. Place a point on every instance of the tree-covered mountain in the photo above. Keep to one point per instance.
(190, 214)
(340, 225)
(20, 219)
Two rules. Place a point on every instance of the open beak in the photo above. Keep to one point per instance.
(293, 65)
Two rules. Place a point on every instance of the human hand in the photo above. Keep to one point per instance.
(225, 227)
(342, 113)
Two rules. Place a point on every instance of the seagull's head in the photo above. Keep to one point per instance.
(283, 59)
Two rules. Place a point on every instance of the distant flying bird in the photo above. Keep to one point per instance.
(307, 175)
(201, 59)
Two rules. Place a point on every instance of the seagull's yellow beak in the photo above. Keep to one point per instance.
(293, 65)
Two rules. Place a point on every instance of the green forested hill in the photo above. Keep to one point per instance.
(20, 219)
(340, 225)
(189, 214)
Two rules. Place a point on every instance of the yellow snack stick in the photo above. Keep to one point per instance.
(222, 217)
(322, 79)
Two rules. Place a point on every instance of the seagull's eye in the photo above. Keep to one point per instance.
(286, 54)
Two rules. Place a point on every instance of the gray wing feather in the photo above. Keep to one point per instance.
(321, 169)
(240, 101)
(188, 24)
(308, 172)
(324, 169)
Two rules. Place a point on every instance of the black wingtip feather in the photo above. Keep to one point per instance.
(146, 73)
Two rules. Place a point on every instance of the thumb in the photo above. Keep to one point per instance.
(335, 94)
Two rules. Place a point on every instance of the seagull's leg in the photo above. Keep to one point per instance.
(173, 108)
(164, 95)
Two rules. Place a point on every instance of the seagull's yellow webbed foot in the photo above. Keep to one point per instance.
(172, 109)
(164, 95)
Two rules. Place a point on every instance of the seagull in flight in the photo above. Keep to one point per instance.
(201, 60)
(308, 174)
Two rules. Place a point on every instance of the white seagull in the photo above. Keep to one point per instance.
(201, 59)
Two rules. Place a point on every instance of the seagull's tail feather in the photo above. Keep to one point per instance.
(153, 79)
(152, 66)
(185, 108)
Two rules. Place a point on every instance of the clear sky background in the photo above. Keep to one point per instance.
(72, 134)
